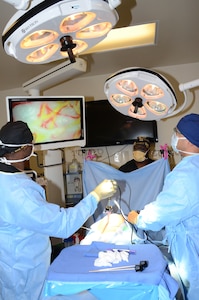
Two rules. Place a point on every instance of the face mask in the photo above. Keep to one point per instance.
(139, 156)
(174, 143)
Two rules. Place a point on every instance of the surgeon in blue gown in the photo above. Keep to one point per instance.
(177, 206)
(27, 220)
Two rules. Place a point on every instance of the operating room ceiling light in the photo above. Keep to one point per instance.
(140, 93)
(37, 35)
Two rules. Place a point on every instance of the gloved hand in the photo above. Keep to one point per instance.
(132, 217)
(105, 189)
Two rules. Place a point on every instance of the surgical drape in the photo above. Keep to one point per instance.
(136, 188)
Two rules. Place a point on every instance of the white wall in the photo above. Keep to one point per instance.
(93, 89)
(3, 95)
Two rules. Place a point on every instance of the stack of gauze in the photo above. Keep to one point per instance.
(109, 257)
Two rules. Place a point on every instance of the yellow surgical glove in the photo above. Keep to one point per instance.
(132, 217)
(105, 189)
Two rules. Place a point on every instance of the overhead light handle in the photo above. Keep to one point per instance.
(68, 45)
(137, 103)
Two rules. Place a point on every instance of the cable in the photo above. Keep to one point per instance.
(86, 228)
(139, 232)
(109, 156)
(127, 222)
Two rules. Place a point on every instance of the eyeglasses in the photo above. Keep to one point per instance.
(175, 129)
(23, 146)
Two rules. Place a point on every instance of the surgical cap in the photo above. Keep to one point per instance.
(189, 127)
(14, 133)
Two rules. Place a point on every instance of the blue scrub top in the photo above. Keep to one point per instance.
(27, 221)
(177, 208)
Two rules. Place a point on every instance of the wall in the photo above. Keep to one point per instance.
(93, 89)
(3, 95)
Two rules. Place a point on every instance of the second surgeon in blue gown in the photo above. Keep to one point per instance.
(177, 206)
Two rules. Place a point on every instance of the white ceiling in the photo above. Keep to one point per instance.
(177, 41)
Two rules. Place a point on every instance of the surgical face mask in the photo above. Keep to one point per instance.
(174, 143)
(10, 161)
(139, 156)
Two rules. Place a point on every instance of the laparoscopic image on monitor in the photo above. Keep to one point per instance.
(56, 122)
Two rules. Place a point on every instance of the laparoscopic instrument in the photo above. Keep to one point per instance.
(138, 268)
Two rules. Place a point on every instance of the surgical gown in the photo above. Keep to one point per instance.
(27, 221)
(177, 208)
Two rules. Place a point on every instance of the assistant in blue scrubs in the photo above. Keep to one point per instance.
(177, 206)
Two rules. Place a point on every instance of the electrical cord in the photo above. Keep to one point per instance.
(127, 222)
(142, 234)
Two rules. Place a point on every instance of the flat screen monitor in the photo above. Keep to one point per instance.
(105, 126)
(56, 122)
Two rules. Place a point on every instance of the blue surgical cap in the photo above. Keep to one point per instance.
(189, 127)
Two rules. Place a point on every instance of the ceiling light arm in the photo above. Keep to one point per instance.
(183, 87)
(20, 4)
(54, 76)
(189, 85)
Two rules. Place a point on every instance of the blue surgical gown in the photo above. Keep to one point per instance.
(177, 208)
(27, 221)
